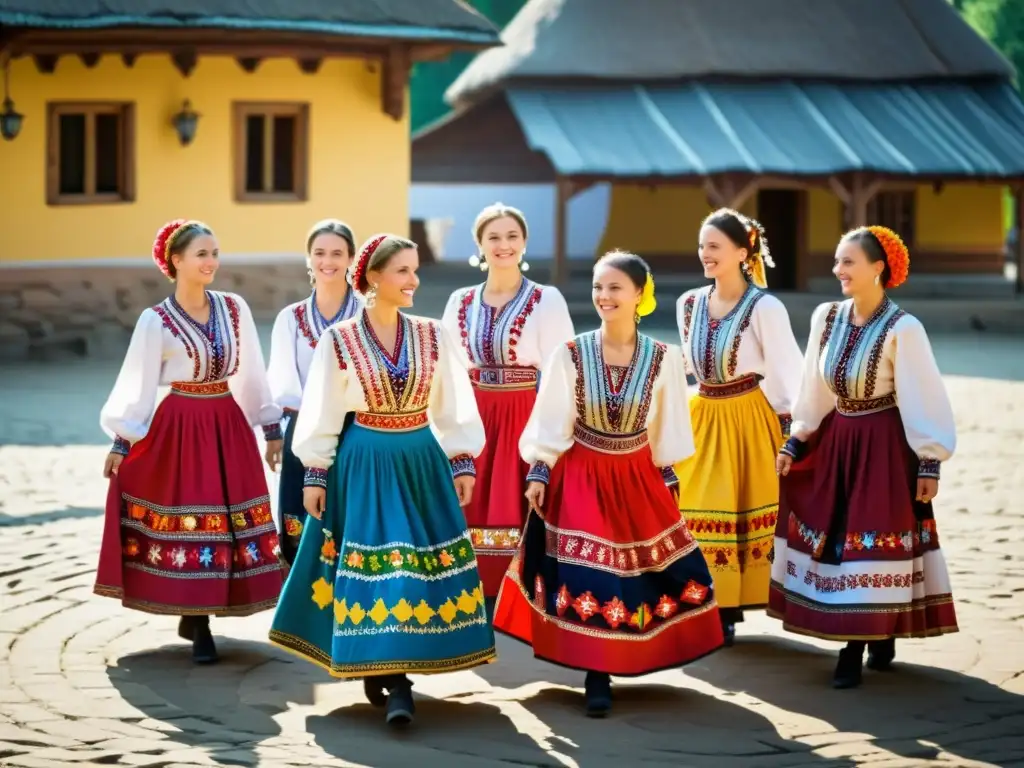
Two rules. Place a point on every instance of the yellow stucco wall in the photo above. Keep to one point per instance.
(358, 170)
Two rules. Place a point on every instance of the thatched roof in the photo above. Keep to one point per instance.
(394, 18)
(645, 40)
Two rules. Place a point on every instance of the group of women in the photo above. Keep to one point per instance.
(495, 470)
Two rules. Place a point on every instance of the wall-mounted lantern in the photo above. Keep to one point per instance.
(185, 123)
(10, 120)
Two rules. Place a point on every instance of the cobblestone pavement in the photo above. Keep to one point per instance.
(84, 682)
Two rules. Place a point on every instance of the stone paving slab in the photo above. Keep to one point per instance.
(84, 682)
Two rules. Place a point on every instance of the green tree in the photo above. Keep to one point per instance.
(1001, 22)
(430, 79)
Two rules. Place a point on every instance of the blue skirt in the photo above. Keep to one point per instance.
(386, 582)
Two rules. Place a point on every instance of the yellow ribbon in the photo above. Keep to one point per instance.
(647, 301)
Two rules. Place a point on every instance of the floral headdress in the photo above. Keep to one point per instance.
(897, 255)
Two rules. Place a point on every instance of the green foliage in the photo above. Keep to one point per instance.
(430, 80)
(1001, 22)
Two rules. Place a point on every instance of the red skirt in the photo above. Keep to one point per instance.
(188, 528)
(504, 397)
(611, 580)
(856, 556)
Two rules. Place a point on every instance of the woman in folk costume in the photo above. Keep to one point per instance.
(740, 347)
(188, 528)
(385, 583)
(607, 578)
(857, 554)
(330, 248)
(508, 326)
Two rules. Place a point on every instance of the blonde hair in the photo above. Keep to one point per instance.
(495, 212)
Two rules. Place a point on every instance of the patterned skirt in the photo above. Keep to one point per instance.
(856, 557)
(387, 581)
(188, 527)
(610, 580)
(728, 490)
(504, 397)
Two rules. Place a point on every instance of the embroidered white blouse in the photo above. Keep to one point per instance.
(860, 369)
(351, 372)
(169, 346)
(579, 390)
(523, 333)
(297, 329)
(754, 338)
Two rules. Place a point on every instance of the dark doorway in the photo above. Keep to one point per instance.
(779, 210)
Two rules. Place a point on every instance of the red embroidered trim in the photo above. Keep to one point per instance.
(391, 421)
(200, 389)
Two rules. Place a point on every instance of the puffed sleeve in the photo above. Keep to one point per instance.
(249, 385)
(668, 422)
(549, 430)
(322, 411)
(781, 355)
(283, 368)
(814, 400)
(452, 408)
(923, 401)
(684, 313)
(129, 409)
(556, 322)
(450, 322)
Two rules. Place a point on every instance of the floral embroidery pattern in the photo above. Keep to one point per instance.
(490, 336)
(219, 337)
(580, 548)
(406, 560)
(714, 345)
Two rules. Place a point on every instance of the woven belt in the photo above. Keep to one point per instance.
(849, 407)
(504, 377)
(729, 389)
(392, 422)
(609, 443)
(201, 389)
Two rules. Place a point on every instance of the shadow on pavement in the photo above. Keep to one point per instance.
(69, 513)
(662, 724)
(914, 711)
(226, 708)
(446, 732)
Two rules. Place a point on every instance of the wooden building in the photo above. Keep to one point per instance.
(257, 116)
(813, 115)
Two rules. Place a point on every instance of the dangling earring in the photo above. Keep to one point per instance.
(371, 297)
(312, 278)
(636, 317)
(478, 261)
(877, 280)
(524, 265)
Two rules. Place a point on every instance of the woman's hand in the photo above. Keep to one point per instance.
(535, 496)
(783, 462)
(927, 489)
(314, 500)
(464, 485)
(112, 464)
(274, 453)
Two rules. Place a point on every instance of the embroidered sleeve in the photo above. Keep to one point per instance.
(283, 366)
(454, 320)
(786, 423)
(539, 473)
(324, 406)
(463, 464)
(132, 401)
(684, 314)
(794, 448)
(272, 432)
(668, 422)
(556, 323)
(780, 353)
(452, 407)
(668, 474)
(120, 446)
(249, 385)
(928, 468)
(924, 403)
(548, 432)
(814, 400)
(315, 477)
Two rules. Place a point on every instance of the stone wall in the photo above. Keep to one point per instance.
(87, 308)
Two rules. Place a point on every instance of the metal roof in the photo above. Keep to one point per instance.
(649, 40)
(783, 127)
(398, 19)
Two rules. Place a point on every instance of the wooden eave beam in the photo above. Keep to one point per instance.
(394, 81)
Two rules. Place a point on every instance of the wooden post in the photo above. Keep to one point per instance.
(1019, 222)
(560, 264)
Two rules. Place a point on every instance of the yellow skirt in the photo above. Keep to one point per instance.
(729, 492)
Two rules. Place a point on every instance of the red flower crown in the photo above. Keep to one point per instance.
(359, 271)
(162, 245)
(897, 256)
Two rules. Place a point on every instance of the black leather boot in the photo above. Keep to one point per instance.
(850, 668)
(598, 691)
(186, 627)
(204, 651)
(881, 653)
(373, 689)
(401, 709)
